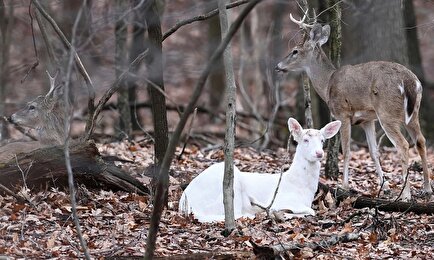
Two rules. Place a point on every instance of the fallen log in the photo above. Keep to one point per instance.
(45, 168)
(269, 252)
(362, 201)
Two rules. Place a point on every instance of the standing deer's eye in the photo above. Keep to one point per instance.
(31, 107)
(294, 52)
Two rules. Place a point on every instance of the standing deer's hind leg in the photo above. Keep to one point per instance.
(413, 129)
(394, 134)
(369, 128)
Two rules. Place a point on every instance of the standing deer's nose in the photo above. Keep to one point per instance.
(319, 154)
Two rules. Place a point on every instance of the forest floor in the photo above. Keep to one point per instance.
(115, 224)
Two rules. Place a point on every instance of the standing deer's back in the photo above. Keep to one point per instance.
(363, 91)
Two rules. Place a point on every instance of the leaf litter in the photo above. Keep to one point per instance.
(115, 224)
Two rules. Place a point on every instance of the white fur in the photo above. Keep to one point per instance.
(204, 195)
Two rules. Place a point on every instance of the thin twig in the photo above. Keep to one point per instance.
(67, 136)
(36, 63)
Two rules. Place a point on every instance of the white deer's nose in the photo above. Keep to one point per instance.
(319, 154)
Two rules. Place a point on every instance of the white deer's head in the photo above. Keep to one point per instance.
(310, 141)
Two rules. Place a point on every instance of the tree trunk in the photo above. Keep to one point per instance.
(228, 179)
(216, 78)
(155, 71)
(45, 168)
(123, 105)
(332, 162)
(6, 23)
(415, 63)
(137, 47)
(374, 31)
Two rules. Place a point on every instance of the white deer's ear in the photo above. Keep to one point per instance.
(295, 128)
(332, 128)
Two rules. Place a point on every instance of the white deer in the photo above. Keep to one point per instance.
(361, 94)
(203, 197)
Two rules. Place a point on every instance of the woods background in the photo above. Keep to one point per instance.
(112, 35)
(400, 31)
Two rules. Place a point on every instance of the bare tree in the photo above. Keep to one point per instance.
(6, 24)
(228, 179)
(332, 162)
(123, 105)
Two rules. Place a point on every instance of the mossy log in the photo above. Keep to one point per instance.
(45, 168)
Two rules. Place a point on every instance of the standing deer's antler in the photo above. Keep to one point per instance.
(301, 22)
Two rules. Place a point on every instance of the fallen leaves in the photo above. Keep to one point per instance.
(116, 223)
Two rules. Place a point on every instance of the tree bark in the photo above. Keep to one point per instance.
(154, 64)
(123, 106)
(216, 78)
(228, 179)
(374, 31)
(155, 71)
(45, 168)
(6, 23)
(333, 144)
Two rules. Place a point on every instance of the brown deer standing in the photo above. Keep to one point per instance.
(47, 115)
(359, 95)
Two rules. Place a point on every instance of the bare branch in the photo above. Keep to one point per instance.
(200, 18)
(67, 136)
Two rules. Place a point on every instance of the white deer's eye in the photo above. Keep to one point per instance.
(306, 140)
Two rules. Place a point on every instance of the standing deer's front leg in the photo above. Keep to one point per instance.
(345, 142)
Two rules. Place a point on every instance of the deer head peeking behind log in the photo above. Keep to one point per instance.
(46, 114)
(361, 94)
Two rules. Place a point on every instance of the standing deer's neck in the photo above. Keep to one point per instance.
(319, 72)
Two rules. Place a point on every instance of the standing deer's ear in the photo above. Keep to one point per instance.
(332, 128)
(319, 34)
(295, 129)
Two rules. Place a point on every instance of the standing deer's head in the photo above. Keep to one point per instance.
(46, 114)
(304, 54)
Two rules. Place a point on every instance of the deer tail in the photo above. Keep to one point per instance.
(412, 92)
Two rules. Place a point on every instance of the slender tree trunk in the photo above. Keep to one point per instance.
(154, 63)
(123, 105)
(228, 180)
(332, 162)
(216, 80)
(6, 23)
(137, 47)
